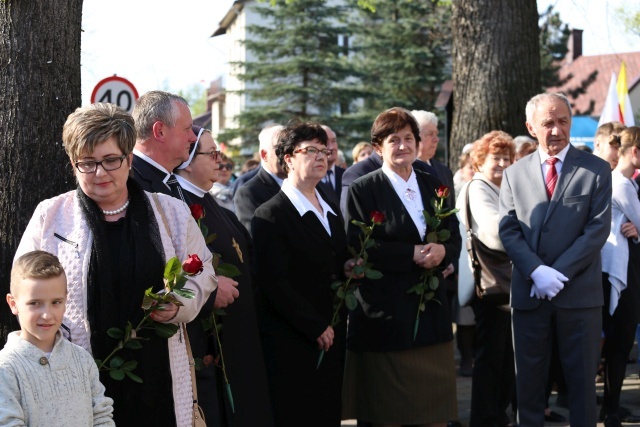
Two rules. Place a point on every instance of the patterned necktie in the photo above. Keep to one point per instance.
(552, 176)
(176, 190)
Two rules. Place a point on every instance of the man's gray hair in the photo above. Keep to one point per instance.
(267, 134)
(155, 106)
(536, 100)
(425, 117)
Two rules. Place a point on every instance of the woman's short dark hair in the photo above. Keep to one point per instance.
(294, 134)
(391, 121)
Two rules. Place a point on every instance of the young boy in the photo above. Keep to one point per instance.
(44, 379)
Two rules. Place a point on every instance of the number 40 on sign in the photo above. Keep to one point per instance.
(115, 90)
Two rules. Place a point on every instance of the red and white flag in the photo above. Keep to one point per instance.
(617, 107)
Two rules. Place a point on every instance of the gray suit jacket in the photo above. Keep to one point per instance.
(565, 233)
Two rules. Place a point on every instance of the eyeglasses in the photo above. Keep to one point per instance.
(214, 154)
(108, 164)
(225, 166)
(312, 151)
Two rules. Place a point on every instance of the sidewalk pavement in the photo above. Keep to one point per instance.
(630, 398)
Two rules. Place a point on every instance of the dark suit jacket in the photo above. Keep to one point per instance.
(566, 233)
(393, 256)
(297, 261)
(242, 179)
(370, 164)
(149, 177)
(253, 194)
(444, 174)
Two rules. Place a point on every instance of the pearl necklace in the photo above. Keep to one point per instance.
(117, 211)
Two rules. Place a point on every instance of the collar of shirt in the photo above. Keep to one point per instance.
(413, 205)
(303, 205)
(190, 187)
(273, 175)
(153, 163)
(560, 156)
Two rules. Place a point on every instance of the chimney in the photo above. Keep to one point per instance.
(575, 45)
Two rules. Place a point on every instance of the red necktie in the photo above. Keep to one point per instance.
(552, 176)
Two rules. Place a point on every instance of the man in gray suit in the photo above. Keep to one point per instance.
(555, 216)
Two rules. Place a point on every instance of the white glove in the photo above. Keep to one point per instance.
(547, 282)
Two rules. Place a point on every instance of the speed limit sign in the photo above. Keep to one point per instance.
(115, 90)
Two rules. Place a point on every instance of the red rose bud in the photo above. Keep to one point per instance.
(443, 191)
(192, 265)
(377, 217)
(197, 211)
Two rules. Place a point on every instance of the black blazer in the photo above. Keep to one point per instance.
(370, 164)
(297, 261)
(387, 322)
(242, 179)
(253, 194)
(444, 174)
(149, 177)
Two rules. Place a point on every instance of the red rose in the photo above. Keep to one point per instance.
(377, 217)
(192, 265)
(197, 211)
(443, 192)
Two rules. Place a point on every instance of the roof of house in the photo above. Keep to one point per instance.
(585, 80)
(229, 17)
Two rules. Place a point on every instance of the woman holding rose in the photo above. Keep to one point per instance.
(113, 240)
(239, 334)
(301, 249)
(392, 377)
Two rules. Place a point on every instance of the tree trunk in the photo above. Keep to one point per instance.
(496, 68)
(40, 86)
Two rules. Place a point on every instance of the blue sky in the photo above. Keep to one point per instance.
(162, 44)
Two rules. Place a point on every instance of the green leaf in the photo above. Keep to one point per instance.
(370, 243)
(373, 274)
(358, 270)
(358, 223)
(115, 333)
(179, 283)
(433, 283)
(432, 237)
(335, 285)
(219, 311)
(165, 330)
(228, 270)
(351, 302)
(185, 293)
(207, 323)
(434, 223)
(198, 363)
(340, 293)
(116, 362)
(133, 344)
(129, 366)
(422, 307)
(173, 267)
(117, 374)
(210, 238)
(427, 217)
(204, 229)
(412, 289)
(353, 252)
(134, 377)
(443, 235)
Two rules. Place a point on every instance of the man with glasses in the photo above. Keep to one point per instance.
(333, 179)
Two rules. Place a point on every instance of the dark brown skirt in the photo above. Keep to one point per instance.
(415, 386)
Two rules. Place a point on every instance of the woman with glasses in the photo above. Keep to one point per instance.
(394, 375)
(239, 335)
(221, 189)
(114, 242)
(301, 250)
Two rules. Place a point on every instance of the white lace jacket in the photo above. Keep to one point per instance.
(58, 226)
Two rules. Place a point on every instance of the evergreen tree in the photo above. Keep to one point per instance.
(554, 36)
(402, 51)
(300, 69)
